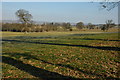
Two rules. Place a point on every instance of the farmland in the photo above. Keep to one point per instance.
(60, 55)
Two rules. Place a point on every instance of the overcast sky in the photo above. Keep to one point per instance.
(61, 11)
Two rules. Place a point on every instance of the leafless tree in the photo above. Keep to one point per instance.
(109, 5)
(24, 17)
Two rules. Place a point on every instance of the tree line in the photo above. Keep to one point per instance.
(18, 27)
(27, 25)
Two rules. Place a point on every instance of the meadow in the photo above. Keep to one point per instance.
(60, 55)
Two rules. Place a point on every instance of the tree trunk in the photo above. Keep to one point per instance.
(26, 27)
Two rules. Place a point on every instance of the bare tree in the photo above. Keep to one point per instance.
(90, 26)
(109, 24)
(109, 5)
(66, 26)
(24, 17)
(80, 25)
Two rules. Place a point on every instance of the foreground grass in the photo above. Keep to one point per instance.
(60, 55)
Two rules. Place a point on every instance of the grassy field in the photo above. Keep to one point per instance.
(60, 55)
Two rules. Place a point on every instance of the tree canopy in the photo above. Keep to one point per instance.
(80, 25)
(24, 16)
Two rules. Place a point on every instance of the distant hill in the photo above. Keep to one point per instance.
(9, 21)
(36, 22)
(39, 22)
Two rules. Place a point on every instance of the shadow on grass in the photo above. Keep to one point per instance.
(29, 57)
(41, 73)
(87, 46)
(37, 72)
(94, 39)
(82, 34)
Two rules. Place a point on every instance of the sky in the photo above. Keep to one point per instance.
(72, 12)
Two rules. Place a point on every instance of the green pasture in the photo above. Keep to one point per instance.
(60, 55)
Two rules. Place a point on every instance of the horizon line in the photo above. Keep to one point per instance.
(54, 22)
